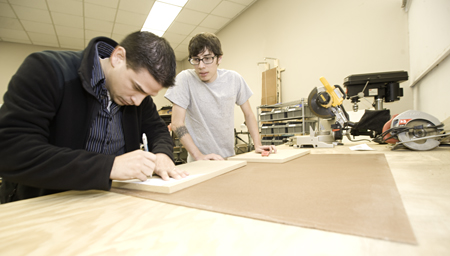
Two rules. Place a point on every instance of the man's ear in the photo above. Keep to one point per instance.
(118, 56)
(219, 59)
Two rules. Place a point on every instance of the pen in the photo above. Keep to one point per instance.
(144, 140)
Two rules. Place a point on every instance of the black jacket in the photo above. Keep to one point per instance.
(45, 121)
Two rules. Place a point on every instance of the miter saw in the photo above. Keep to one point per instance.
(413, 129)
(325, 102)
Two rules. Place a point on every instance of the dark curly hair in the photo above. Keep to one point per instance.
(205, 41)
(154, 53)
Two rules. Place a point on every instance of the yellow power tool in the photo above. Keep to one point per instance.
(326, 102)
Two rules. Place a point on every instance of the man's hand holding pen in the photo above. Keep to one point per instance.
(141, 165)
(137, 164)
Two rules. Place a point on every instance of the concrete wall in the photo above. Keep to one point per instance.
(429, 28)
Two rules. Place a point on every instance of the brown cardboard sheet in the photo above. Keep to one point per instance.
(344, 193)
(269, 87)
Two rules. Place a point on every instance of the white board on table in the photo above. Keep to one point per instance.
(199, 171)
(282, 156)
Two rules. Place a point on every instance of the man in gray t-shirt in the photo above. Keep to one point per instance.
(203, 103)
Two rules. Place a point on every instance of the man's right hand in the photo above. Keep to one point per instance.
(137, 164)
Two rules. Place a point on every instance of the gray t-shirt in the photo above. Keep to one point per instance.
(210, 108)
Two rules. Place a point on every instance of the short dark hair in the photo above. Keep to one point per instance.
(154, 53)
(205, 41)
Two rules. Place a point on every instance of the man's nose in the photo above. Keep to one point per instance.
(137, 100)
(201, 64)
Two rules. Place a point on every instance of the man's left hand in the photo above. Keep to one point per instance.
(165, 168)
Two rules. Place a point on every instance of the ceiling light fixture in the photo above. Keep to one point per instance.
(162, 14)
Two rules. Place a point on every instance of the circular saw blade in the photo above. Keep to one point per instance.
(316, 108)
(425, 144)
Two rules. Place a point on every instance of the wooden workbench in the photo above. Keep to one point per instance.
(106, 223)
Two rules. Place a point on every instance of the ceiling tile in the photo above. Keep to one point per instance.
(10, 23)
(190, 17)
(118, 37)
(228, 9)
(89, 34)
(27, 13)
(51, 44)
(130, 18)
(136, 6)
(66, 6)
(39, 4)
(15, 40)
(38, 27)
(182, 48)
(69, 32)
(215, 22)
(174, 39)
(13, 34)
(186, 41)
(243, 2)
(180, 56)
(202, 5)
(67, 20)
(107, 3)
(43, 39)
(71, 43)
(180, 28)
(6, 11)
(202, 29)
(180, 3)
(98, 25)
(75, 22)
(99, 12)
(123, 29)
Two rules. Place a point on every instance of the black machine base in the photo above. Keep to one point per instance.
(383, 85)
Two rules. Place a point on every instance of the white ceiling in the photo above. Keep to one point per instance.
(72, 23)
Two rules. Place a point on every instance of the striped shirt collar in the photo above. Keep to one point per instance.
(102, 50)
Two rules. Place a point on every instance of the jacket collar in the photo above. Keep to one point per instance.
(85, 70)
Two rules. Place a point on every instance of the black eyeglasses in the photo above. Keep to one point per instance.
(206, 60)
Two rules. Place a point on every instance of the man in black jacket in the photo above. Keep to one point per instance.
(74, 120)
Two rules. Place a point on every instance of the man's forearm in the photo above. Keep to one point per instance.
(187, 141)
(252, 126)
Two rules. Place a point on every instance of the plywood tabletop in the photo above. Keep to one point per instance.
(106, 223)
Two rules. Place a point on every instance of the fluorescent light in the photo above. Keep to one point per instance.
(154, 31)
(162, 14)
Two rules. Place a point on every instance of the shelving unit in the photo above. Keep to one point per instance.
(280, 121)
